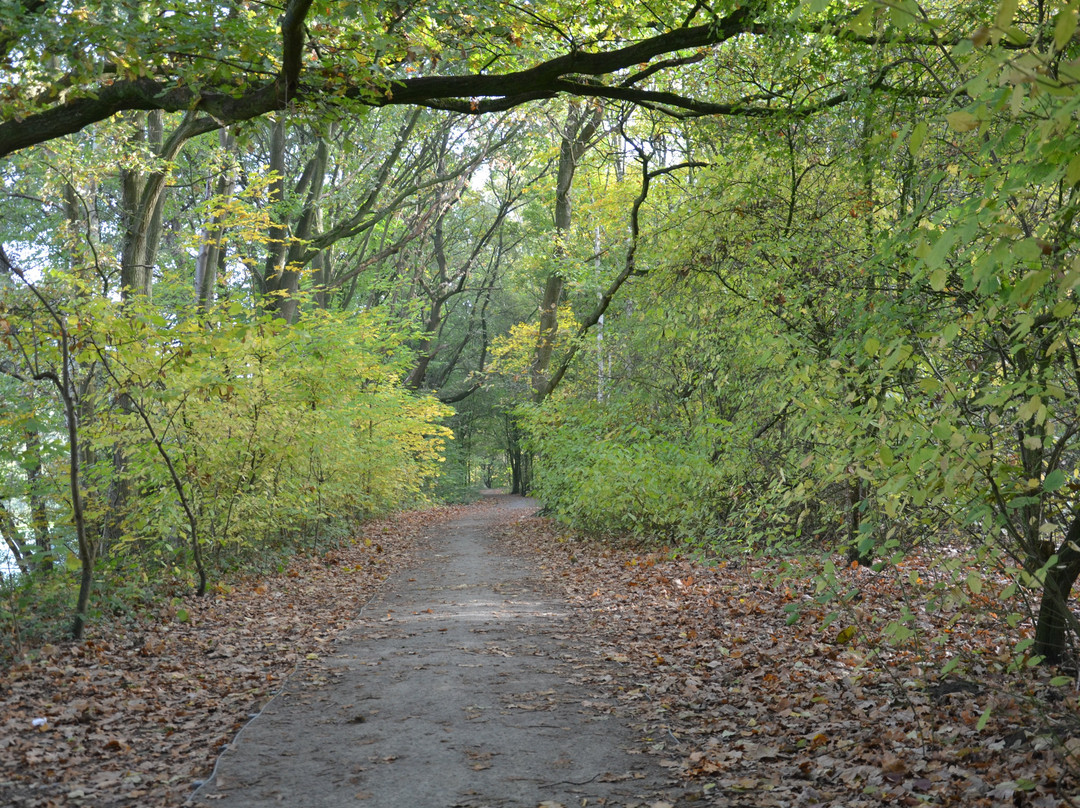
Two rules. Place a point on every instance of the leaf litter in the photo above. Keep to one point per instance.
(763, 713)
(136, 714)
(754, 711)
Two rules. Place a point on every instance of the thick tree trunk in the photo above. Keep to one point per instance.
(142, 200)
(1056, 621)
(288, 254)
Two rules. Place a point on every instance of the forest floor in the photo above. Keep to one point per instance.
(693, 665)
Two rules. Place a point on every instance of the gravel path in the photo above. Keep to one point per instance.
(461, 684)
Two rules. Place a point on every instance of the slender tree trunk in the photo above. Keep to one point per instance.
(12, 536)
(431, 322)
(39, 515)
(275, 252)
(211, 249)
(65, 388)
(288, 254)
(520, 467)
(581, 125)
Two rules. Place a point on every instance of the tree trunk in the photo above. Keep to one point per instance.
(1056, 620)
(275, 237)
(12, 536)
(581, 125)
(66, 389)
(39, 516)
(211, 250)
(520, 460)
(288, 254)
(142, 201)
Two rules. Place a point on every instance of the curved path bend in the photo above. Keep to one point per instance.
(461, 685)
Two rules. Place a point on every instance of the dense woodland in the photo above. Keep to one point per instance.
(760, 277)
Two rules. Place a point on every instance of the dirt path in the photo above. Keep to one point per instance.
(460, 685)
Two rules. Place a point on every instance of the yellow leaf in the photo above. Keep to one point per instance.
(846, 635)
(962, 121)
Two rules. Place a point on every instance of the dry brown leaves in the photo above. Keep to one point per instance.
(761, 713)
(137, 718)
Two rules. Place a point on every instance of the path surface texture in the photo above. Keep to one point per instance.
(460, 684)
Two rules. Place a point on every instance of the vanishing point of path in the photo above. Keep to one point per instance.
(460, 684)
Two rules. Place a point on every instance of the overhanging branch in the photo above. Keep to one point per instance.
(573, 73)
(234, 102)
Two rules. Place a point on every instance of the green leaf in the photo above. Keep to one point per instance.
(862, 24)
(1064, 27)
(72, 562)
(941, 249)
(182, 615)
(1063, 309)
(813, 6)
(974, 582)
(962, 121)
(1054, 480)
(903, 13)
(918, 135)
(983, 719)
(1029, 408)
(1060, 681)
(1005, 13)
(1072, 171)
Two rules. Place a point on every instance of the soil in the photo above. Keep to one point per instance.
(463, 683)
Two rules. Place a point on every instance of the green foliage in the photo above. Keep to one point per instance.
(278, 428)
(867, 336)
(272, 431)
(608, 470)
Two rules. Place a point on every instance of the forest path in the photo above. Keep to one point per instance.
(461, 684)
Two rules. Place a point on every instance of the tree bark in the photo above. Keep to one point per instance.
(289, 251)
(472, 94)
(39, 516)
(1056, 621)
(12, 537)
(211, 248)
(581, 124)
